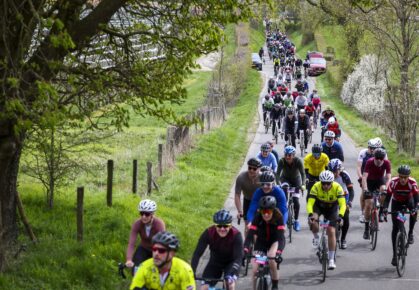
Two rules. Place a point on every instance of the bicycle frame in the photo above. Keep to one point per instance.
(402, 243)
(374, 224)
(322, 250)
(210, 280)
(263, 272)
(302, 141)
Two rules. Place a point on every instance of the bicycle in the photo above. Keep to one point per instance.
(276, 133)
(374, 228)
(310, 131)
(121, 268)
(338, 237)
(209, 280)
(263, 273)
(402, 243)
(322, 250)
(302, 147)
(267, 123)
(291, 218)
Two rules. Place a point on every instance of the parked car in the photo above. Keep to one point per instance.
(317, 63)
(256, 61)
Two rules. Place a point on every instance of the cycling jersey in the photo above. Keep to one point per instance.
(333, 196)
(180, 277)
(334, 128)
(270, 161)
(267, 104)
(377, 172)
(363, 157)
(403, 193)
(315, 166)
(267, 233)
(246, 185)
(291, 171)
(345, 181)
(334, 151)
(281, 202)
(316, 101)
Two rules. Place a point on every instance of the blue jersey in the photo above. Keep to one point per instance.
(270, 161)
(281, 202)
(334, 151)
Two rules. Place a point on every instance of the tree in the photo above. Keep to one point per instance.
(71, 60)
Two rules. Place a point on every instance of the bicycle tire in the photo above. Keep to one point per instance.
(261, 283)
(247, 259)
(374, 229)
(267, 121)
(401, 253)
(324, 259)
(290, 222)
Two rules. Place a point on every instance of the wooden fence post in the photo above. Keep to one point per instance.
(109, 183)
(80, 196)
(160, 159)
(172, 150)
(134, 176)
(203, 123)
(209, 119)
(149, 177)
(24, 218)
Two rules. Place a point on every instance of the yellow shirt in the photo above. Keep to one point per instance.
(180, 277)
(315, 166)
(334, 195)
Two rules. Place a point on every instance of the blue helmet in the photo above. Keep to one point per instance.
(222, 217)
(289, 150)
(335, 165)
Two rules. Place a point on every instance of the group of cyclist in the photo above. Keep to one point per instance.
(269, 185)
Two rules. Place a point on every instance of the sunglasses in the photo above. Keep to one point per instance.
(328, 139)
(159, 250)
(252, 168)
(145, 213)
(404, 176)
(267, 211)
(223, 226)
(326, 183)
(379, 159)
(267, 184)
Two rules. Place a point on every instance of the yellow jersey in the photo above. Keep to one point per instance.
(315, 166)
(180, 277)
(334, 195)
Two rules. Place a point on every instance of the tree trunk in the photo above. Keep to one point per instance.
(10, 150)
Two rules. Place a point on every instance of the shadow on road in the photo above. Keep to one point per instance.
(374, 274)
(306, 278)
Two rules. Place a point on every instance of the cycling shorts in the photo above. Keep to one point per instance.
(329, 211)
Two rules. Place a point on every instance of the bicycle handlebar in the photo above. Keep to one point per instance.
(121, 267)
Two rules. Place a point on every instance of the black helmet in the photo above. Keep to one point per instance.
(310, 104)
(267, 176)
(265, 147)
(290, 111)
(316, 149)
(222, 217)
(167, 239)
(267, 202)
(379, 153)
(254, 162)
(265, 168)
(404, 170)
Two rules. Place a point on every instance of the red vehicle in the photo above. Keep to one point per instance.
(317, 64)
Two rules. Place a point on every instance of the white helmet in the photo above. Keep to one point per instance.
(331, 120)
(373, 143)
(147, 205)
(326, 176)
(329, 134)
(302, 111)
(379, 142)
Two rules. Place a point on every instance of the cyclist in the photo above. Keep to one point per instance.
(316, 102)
(332, 125)
(376, 177)
(331, 147)
(299, 86)
(268, 230)
(225, 243)
(304, 125)
(273, 151)
(306, 86)
(301, 101)
(261, 53)
(327, 199)
(271, 84)
(403, 191)
(363, 156)
(283, 89)
(267, 179)
(342, 177)
(164, 270)
(291, 171)
(314, 164)
(267, 105)
(266, 157)
(276, 114)
(247, 182)
(288, 100)
(146, 227)
(310, 109)
(326, 114)
(289, 126)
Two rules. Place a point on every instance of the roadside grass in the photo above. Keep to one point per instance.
(189, 195)
(350, 120)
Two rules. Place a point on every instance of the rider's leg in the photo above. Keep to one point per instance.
(293, 140)
(272, 263)
(345, 226)
(305, 140)
(254, 271)
(331, 239)
(314, 227)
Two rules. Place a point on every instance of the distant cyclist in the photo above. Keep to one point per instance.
(266, 157)
(164, 270)
(314, 164)
(331, 147)
(146, 227)
(225, 244)
(303, 125)
(289, 126)
(267, 105)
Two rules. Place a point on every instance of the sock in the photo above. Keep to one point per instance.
(367, 226)
(331, 255)
(275, 283)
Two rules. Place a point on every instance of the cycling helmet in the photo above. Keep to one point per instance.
(335, 165)
(331, 120)
(328, 108)
(289, 150)
(310, 104)
(267, 176)
(329, 134)
(326, 176)
(316, 149)
(277, 106)
(290, 111)
(222, 217)
(267, 97)
(267, 202)
(254, 162)
(167, 239)
(265, 147)
(289, 93)
(379, 153)
(147, 205)
(302, 111)
(404, 170)
(379, 142)
(372, 143)
(265, 168)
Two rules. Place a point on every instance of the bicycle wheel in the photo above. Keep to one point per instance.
(290, 221)
(261, 283)
(401, 253)
(324, 259)
(374, 229)
(266, 125)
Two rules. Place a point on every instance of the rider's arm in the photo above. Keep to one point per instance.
(274, 163)
(250, 234)
(302, 172)
(281, 201)
(139, 280)
(364, 180)
(237, 196)
(234, 267)
(135, 229)
(311, 199)
(280, 237)
(388, 172)
(358, 168)
(200, 249)
(340, 154)
(342, 204)
(389, 193)
(253, 205)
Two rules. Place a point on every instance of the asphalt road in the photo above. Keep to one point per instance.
(357, 267)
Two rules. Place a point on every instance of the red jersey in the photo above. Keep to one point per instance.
(401, 192)
(334, 128)
(309, 109)
(375, 172)
(294, 94)
(316, 101)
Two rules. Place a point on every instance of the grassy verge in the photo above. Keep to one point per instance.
(329, 88)
(188, 197)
